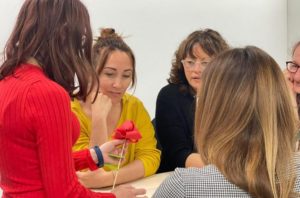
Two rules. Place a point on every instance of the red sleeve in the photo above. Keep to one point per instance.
(83, 160)
(48, 107)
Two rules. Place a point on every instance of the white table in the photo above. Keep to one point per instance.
(149, 183)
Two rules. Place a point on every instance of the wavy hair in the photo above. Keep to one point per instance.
(209, 40)
(245, 123)
(57, 34)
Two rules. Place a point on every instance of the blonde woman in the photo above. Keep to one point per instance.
(245, 132)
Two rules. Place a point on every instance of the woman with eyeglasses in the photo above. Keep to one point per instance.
(174, 117)
(292, 74)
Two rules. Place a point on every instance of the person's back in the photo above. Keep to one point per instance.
(29, 109)
(204, 182)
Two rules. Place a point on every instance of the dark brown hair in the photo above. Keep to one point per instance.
(209, 40)
(105, 44)
(248, 131)
(57, 34)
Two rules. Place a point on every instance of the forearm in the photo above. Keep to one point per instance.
(125, 173)
(101, 178)
(86, 158)
(99, 132)
(194, 160)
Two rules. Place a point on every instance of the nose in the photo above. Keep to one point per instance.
(198, 68)
(117, 83)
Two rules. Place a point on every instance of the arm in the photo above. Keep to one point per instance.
(88, 158)
(101, 178)
(92, 131)
(50, 117)
(174, 125)
(194, 160)
(85, 126)
(100, 110)
(146, 156)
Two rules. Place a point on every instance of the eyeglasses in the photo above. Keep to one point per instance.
(291, 66)
(191, 64)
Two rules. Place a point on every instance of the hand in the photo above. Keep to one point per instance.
(112, 147)
(94, 179)
(101, 107)
(127, 191)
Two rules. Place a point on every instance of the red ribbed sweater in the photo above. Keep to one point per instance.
(37, 131)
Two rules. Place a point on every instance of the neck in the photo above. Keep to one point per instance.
(33, 61)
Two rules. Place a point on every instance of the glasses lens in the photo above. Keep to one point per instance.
(292, 67)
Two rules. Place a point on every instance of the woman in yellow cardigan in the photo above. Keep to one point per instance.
(115, 64)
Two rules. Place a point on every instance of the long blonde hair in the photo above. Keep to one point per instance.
(245, 124)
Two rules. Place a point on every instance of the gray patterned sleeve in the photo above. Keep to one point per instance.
(172, 186)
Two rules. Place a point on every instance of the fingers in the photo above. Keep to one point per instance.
(131, 190)
(139, 191)
(117, 142)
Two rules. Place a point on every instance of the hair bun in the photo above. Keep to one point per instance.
(108, 32)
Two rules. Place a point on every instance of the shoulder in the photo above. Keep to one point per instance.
(208, 181)
(170, 89)
(33, 80)
(75, 105)
(45, 88)
(190, 174)
(132, 101)
(297, 167)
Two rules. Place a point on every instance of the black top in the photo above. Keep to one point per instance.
(174, 119)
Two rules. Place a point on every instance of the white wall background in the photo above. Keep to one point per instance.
(293, 23)
(156, 27)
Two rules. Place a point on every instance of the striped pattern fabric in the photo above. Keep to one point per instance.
(37, 131)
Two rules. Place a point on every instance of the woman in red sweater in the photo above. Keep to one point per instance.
(50, 43)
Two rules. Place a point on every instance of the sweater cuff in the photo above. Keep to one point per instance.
(91, 163)
(83, 160)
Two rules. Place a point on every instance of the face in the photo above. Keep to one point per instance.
(193, 67)
(296, 76)
(116, 76)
